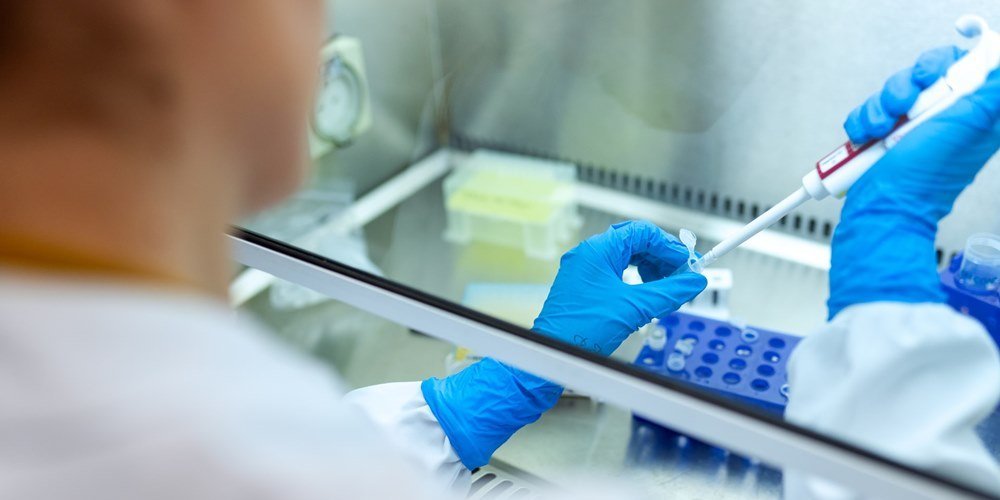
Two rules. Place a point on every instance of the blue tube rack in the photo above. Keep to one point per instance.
(747, 364)
(985, 308)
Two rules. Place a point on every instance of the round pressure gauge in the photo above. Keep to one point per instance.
(339, 102)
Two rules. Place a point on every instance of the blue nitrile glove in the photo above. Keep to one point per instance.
(883, 248)
(590, 306)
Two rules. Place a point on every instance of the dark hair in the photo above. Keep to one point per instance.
(91, 62)
(12, 27)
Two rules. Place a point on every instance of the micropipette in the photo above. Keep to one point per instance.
(837, 171)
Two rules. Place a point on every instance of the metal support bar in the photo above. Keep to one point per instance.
(377, 202)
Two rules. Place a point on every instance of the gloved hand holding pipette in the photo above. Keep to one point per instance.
(883, 248)
(926, 98)
(891, 341)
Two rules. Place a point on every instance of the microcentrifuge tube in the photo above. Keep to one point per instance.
(676, 361)
(657, 338)
(689, 239)
(684, 347)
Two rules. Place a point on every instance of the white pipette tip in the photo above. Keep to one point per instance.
(689, 239)
(705, 261)
(764, 221)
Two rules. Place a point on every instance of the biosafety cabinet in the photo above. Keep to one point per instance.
(460, 147)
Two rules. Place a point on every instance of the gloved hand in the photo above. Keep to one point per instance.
(883, 248)
(589, 306)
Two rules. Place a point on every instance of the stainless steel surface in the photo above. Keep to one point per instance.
(729, 97)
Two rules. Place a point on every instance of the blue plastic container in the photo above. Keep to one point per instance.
(985, 308)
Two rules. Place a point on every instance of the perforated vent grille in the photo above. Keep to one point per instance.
(495, 482)
(715, 203)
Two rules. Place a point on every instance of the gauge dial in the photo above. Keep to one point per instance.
(339, 102)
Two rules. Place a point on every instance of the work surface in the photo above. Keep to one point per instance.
(579, 436)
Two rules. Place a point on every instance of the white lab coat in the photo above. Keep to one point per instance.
(124, 391)
(120, 391)
(908, 381)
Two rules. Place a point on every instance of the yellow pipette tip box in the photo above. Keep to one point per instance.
(514, 201)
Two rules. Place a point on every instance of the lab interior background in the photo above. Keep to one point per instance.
(717, 107)
(727, 99)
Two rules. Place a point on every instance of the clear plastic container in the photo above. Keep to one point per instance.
(980, 269)
(513, 201)
(657, 339)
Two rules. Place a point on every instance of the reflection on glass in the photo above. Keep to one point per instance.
(549, 144)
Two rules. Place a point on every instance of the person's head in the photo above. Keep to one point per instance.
(133, 132)
(220, 85)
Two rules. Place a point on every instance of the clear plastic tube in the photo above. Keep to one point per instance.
(657, 339)
(980, 269)
(689, 239)
(676, 362)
